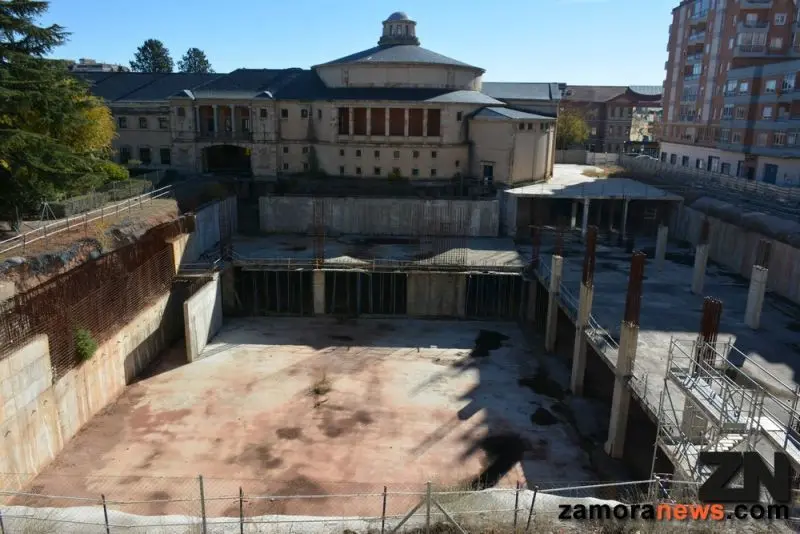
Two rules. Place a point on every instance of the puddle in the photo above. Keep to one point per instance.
(487, 341)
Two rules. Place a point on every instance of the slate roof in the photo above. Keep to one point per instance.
(521, 91)
(466, 97)
(495, 113)
(594, 93)
(648, 90)
(399, 54)
(167, 85)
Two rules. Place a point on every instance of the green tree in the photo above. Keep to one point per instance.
(195, 61)
(571, 128)
(152, 56)
(54, 136)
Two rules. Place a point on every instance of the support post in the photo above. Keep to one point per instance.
(661, 246)
(318, 290)
(584, 311)
(105, 514)
(203, 504)
(624, 233)
(556, 266)
(699, 274)
(574, 216)
(530, 512)
(241, 511)
(383, 513)
(216, 120)
(585, 221)
(233, 120)
(755, 296)
(427, 495)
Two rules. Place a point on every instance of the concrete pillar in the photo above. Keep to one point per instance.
(351, 121)
(624, 233)
(556, 265)
(318, 284)
(197, 119)
(405, 122)
(216, 119)
(178, 245)
(579, 349)
(230, 299)
(661, 246)
(621, 400)
(233, 119)
(755, 296)
(693, 422)
(699, 275)
(585, 221)
(574, 216)
(386, 119)
(369, 121)
(425, 122)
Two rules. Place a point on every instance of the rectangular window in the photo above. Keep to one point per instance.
(415, 122)
(305, 150)
(286, 150)
(736, 137)
(122, 122)
(359, 121)
(434, 123)
(303, 114)
(262, 113)
(163, 123)
(319, 114)
(396, 154)
(766, 113)
(166, 156)
(143, 123)
(397, 122)
(751, 19)
(459, 116)
(396, 171)
(725, 168)
(458, 164)
(780, 19)
(377, 171)
(788, 82)
(776, 42)
(741, 112)
(415, 154)
(414, 172)
(673, 158)
(285, 166)
(433, 173)
(341, 170)
(434, 154)
(530, 126)
(284, 113)
(377, 154)
(685, 161)
(744, 88)
(344, 121)
(727, 111)
(779, 139)
(245, 124)
(144, 155)
(770, 86)
(377, 119)
(358, 153)
(181, 112)
(791, 138)
(305, 166)
(341, 152)
(724, 135)
(522, 126)
(358, 171)
(594, 131)
(124, 154)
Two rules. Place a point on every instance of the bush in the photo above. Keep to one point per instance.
(113, 171)
(85, 345)
(396, 175)
(79, 204)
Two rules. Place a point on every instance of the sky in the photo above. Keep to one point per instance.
(580, 42)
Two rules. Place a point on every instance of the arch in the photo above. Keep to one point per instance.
(227, 159)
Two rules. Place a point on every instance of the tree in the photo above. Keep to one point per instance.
(195, 61)
(55, 137)
(152, 56)
(571, 128)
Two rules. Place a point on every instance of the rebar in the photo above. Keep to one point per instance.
(633, 300)
(318, 229)
(763, 253)
(709, 330)
(590, 257)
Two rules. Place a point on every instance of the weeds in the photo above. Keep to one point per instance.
(85, 345)
(320, 388)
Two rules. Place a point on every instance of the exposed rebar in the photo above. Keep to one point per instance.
(590, 257)
(709, 330)
(318, 229)
(763, 253)
(633, 300)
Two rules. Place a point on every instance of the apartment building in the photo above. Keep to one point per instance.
(395, 109)
(730, 104)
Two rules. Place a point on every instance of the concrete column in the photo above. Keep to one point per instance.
(386, 126)
(699, 275)
(318, 284)
(424, 122)
(585, 221)
(755, 297)
(693, 422)
(621, 400)
(574, 216)
(216, 119)
(233, 119)
(661, 246)
(197, 119)
(369, 121)
(579, 349)
(625, 218)
(351, 121)
(405, 122)
(556, 265)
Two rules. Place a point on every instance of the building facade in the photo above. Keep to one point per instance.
(90, 65)
(730, 104)
(394, 110)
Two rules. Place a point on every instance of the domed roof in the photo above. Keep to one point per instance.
(397, 16)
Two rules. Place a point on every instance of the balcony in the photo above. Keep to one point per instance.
(757, 26)
(750, 51)
(697, 18)
(697, 37)
(694, 58)
(756, 4)
(224, 136)
(691, 78)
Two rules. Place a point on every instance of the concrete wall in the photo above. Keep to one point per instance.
(584, 157)
(202, 315)
(735, 248)
(436, 295)
(206, 234)
(377, 216)
(37, 417)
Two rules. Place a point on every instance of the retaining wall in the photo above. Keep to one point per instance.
(381, 216)
(206, 234)
(202, 316)
(735, 248)
(37, 417)
(436, 295)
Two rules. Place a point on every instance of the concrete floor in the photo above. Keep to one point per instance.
(409, 402)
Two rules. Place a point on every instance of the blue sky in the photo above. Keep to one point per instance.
(599, 42)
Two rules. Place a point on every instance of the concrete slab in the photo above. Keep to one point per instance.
(569, 182)
(408, 402)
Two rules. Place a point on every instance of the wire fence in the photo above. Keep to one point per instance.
(206, 504)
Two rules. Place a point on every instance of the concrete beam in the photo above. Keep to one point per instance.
(585, 222)
(579, 350)
(556, 267)
(621, 400)
(318, 285)
(755, 296)
(699, 274)
(624, 232)
(661, 246)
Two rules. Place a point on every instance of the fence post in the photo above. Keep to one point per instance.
(530, 512)
(241, 511)
(105, 514)
(516, 506)
(428, 508)
(383, 512)
(2, 527)
(202, 502)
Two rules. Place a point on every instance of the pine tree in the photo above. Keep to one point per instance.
(195, 61)
(152, 56)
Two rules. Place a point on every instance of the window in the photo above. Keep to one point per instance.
(460, 116)
(143, 123)
(744, 88)
(414, 172)
(725, 168)
(727, 111)
(245, 124)
(144, 155)
(770, 86)
(262, 113)
(730, 45)
(751, 19)
(776, 42)
(124, 154)
(724, 135)
(791, 138)
(736, 137)
(594, 131)
(788, 82)
(433, 173)
(341, 152)
(761, 139)
(358, 171)
(415, 153)
(377, 171)
(358, 153)
(780, 19)
(305, 150)
(122, 122)
(522, 126)
(458, 164)
(286, 150)
(377, 154)
(698, 163)
(305, 166)
(181, 112)
(341, 170)
(741, 111)
(163, 123)
(433, 154)
(396, 154)
(779, 139)
(166, 156)
(319, 114)
(766, 113)
(303, 113)
(673, 158)
(284, 113)
(530, 126)
(285, 166)
(685, 161)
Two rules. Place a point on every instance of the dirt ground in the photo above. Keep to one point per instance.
(285, 406)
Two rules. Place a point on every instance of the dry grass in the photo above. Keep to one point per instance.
(603, 171)
(320, 389)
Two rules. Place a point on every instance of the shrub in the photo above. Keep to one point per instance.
(85, 345)
(396, 175)
(79, 204)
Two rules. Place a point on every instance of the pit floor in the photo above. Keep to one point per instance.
(409, 401)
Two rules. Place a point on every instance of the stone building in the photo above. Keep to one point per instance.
(396, 109)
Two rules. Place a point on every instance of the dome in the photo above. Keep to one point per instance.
(397, 16)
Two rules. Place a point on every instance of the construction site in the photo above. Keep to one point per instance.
(271, 355)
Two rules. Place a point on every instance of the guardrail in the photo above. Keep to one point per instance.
(76, 221)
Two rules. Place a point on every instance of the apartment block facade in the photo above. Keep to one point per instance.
(731, 103)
